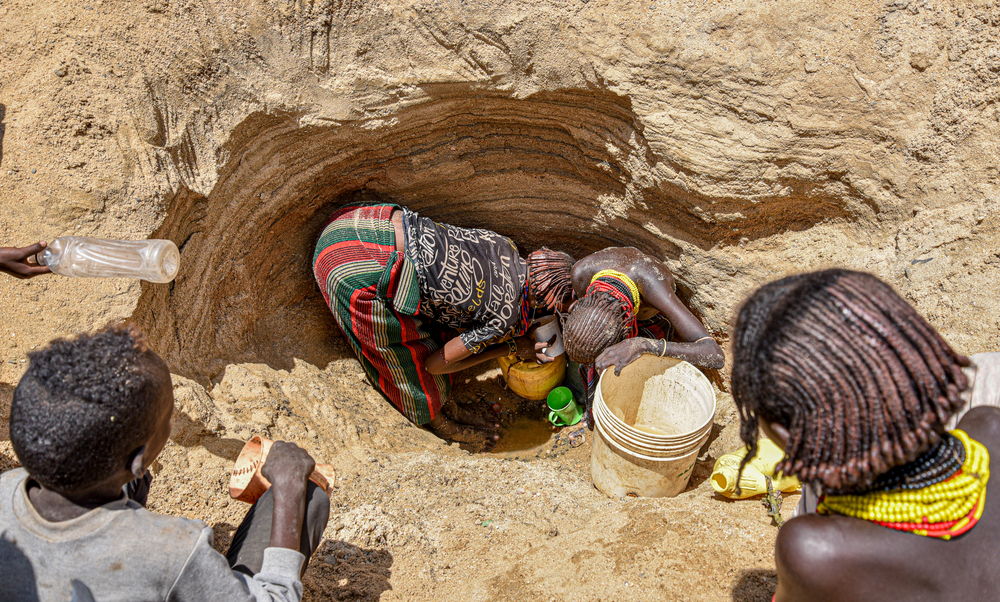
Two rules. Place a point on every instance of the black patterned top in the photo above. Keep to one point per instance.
(470, 279)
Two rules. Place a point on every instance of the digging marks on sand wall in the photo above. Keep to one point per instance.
(876, 144)
(568, 169)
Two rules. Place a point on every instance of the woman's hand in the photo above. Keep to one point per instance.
(14, 261)
(622, 354)
(528, 349)
(704, 353)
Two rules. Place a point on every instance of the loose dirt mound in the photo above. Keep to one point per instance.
(738, 141)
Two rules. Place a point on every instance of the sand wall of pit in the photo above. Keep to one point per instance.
(738, 143)
(568, 169)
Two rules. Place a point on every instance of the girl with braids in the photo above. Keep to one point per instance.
(860, 391)
(628, 306)
(398, 284)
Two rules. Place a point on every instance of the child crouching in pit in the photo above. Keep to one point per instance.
(87, 419)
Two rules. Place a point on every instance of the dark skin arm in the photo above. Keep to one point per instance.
(456, 423)
(14, 261)
(455, 357)
(288, 467)
(706, 353)
(656, 287)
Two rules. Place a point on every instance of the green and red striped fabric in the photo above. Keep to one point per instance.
(374, 295)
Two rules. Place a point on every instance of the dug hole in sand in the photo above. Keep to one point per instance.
(737, 141)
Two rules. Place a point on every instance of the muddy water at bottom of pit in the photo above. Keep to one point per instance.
(529, 437)
(525, 437)
(526, 433)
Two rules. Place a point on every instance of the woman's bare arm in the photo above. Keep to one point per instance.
(698, 346)
(657, 288)
(455, 356)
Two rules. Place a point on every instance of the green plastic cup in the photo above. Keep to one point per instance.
(564, 411)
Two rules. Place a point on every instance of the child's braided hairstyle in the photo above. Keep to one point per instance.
(860, 380)
(597, 322)
(550, 277)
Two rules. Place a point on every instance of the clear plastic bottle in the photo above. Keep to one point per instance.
(82, 256)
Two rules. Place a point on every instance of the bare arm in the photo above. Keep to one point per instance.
(455, 356)
(288, 467)
(699, 347)
(14, 261)
(705, 353)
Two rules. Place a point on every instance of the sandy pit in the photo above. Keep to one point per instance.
(737, 141)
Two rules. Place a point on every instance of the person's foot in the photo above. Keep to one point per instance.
(474, 437)
(480, 415)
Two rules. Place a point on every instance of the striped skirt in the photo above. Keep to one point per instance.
(374, 295)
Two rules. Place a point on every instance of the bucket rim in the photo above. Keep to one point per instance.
(645, 439)
(599, 398)
(610, 439)
(652, 449)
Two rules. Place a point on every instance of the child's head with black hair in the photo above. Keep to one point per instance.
(855, 379)
(91, 410)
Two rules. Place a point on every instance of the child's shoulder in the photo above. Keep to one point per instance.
(172, 531)
(176, 529)
(10, 479)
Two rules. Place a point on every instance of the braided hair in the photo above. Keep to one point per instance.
(597, 322)
(860, 380)
(550, 277)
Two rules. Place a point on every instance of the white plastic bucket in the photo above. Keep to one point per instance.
(627, 461)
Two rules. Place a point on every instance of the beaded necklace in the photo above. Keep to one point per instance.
(527, 312)
(942, 508)
(622, 288)
(934, 466)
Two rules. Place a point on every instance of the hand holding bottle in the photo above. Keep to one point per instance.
(83, 256)
(14, 261)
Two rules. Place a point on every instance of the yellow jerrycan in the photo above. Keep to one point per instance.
(752, 481)
(531, 380)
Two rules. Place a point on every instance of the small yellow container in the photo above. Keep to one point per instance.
(531, 380)
(752, 482)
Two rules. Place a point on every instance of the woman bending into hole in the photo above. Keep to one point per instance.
(860, 390)
(400, 285)
(627, 307)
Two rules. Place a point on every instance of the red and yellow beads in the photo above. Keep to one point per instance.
(943, 510)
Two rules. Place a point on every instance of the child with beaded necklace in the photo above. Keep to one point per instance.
(628, 306)
(859, 390)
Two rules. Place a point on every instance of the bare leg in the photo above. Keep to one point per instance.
(480, 439)
(479, 415)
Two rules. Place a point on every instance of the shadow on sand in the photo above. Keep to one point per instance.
(755, 585)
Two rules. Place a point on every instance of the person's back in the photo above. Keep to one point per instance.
(628, 306)
(118, 551)
(843, 558)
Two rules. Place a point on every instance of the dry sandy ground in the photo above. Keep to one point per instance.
(739, 141)
(416, 519)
